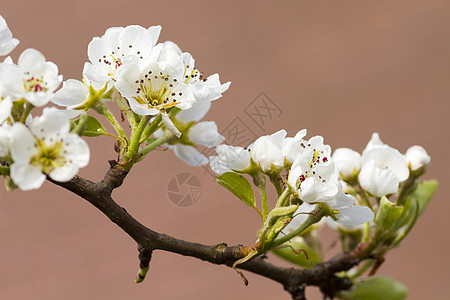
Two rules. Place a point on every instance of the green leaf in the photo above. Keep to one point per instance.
(239, 186)
(423, 193)
(378, 288)
(299, 259)
(93, 127)
(387, 214)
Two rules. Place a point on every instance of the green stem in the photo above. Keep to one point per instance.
(312, 219)
(277, 182)
(260, 181)
(135, 138)
(285, 195)
(151, 128)
(147, 149)
(26, 112)
(363, 195)
(362, 269)
(117, 99)
(112, 119)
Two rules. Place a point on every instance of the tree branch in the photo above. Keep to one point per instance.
(294, 280)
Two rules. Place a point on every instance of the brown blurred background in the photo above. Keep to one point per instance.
(341, 69)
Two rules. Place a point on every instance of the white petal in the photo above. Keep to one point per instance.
(206, 134)
(387, 158)
(417, 157)
(126, 80)
(26, 176)
(348, 160)
(190, 155)
(354, 216)
(22, 144)
(72, 94)
(235, 158)
(218, 165)
(169, 124)
(77, 150)
(195, 113)
(378, 182)
(141, 109)
(64, 173)
(53, 123)
(5, 109)
(9, 46)
(30, 58)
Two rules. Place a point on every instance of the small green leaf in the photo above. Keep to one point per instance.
(239, 186)
(378, 288)
(423, 193)
(299, 259)
(93, 127)
(387, 213)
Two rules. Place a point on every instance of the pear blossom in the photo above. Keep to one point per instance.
(204, 89)
(266, 152)
(7, 42)
(32, 79)
(417, 157)
(382, 168)
(46, 149)
(313, 175)
(230, 159)
(348, 161)
(116, 48)
(156, 88)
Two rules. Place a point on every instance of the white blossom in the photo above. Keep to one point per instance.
(313, 175)
(348, 161)
(229, 159)
(266, 152)
(7, 42)
(116, 48)
(382, 168)
(417, 157)
(32, 79)
(47, 148)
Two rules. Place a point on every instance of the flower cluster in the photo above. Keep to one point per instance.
(380, 169)
(156, 85)
(312, 175)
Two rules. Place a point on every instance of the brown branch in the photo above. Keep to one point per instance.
(293, 280)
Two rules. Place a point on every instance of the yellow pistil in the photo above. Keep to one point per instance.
(49, 156)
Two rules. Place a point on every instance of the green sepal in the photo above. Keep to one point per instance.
(377, 288)
(239, 186)
(9, 184)
(387, 214)
(299, 259)
(4, 170)
(423, 193)
(92, 128)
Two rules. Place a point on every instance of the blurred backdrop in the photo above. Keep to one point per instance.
(341, 69)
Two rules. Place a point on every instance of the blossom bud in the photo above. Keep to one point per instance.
(417, 158)
(349, 162)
